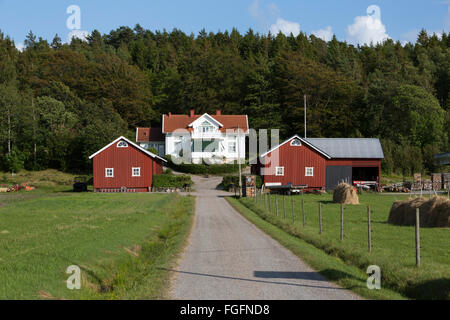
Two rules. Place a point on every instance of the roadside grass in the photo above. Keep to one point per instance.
(121, 242)
(393, 246)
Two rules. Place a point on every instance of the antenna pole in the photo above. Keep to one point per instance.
(239, 161)
(305, 117)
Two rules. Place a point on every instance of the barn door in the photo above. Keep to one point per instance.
(337, 174)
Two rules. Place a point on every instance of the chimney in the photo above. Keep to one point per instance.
(192, 113)
(218, 112)
(170, 114)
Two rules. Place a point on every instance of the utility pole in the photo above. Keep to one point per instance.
(305, 116)
(239, 161)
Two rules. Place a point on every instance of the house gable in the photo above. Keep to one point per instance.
(130, 143)
(205, 118)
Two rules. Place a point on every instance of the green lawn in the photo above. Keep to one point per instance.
(393, 246)
(122, 243)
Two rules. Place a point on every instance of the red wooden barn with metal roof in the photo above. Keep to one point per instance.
(322, 163)
(123, 166)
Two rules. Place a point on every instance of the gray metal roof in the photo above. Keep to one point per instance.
(355, 148)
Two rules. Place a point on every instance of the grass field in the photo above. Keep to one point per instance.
(122, 243)
(393, 246)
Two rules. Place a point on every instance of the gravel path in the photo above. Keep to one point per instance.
(228, 258)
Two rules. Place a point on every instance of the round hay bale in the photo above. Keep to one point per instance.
(345, 194)
(434, 212)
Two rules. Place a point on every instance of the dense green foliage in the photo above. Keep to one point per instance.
(59, 103)
(229, 181)
(171, 181)
(214, 169)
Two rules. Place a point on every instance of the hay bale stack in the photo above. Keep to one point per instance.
(434, 212)
(345, 194)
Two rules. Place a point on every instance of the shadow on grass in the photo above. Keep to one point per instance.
(438, 289)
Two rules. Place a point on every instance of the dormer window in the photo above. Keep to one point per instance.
(206, 127)
(122, 144)
(296, 143)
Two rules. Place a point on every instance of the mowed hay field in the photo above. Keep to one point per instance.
(121, 242)
(393, 246)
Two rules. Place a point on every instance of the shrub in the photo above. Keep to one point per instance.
(228, 181)
(213, 169)
(171, 181)
(14, 162)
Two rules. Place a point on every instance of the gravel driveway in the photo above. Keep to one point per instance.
(228, 258)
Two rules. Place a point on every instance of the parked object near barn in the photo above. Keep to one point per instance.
(80, 184)
(316, 164)
(123, 166)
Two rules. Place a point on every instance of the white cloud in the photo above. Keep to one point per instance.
(368, 29)
(255, 10)
(324, 34)
(80, 34)
(20, 46)
(285, 27)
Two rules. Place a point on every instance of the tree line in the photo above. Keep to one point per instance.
(59, 103)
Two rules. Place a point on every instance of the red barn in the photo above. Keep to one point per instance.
(123, 166)
(322, 163)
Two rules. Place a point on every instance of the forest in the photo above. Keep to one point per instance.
(61, 102)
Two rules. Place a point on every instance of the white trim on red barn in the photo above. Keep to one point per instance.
(130, 143)
(302, 140)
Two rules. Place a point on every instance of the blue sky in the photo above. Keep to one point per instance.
(349, 19)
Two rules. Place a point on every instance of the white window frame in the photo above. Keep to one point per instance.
(120, 142)
(279, 174)
(232, 143)
(307, 174)
(112, 173)
(133, 174)
(296, 145)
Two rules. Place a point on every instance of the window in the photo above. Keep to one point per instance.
(206, 127)
(279, 171)
(296, 143)
(309, 172)
(122, 144)
(136, 172)
(232, 146)
(109, 172)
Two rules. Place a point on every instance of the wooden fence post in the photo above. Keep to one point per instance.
(303, 212)
(265, 200)
(320, 217)
(342, 222)
(369, 228)
(293, 210)
(418, 237)
(270, 204)
(276, 203)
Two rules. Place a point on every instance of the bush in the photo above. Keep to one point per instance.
(171, 181)
(14, 162)
(228, 181)
(213, 169)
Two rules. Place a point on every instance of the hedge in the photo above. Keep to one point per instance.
(171, 181)
(228, 181)
(213, 169)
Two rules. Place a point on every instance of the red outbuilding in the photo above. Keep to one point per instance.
(322, 163)
(123, 166)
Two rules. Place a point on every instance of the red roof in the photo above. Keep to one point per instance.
(229, 122)
(150, 135)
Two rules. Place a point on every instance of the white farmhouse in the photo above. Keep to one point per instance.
(198, 138)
